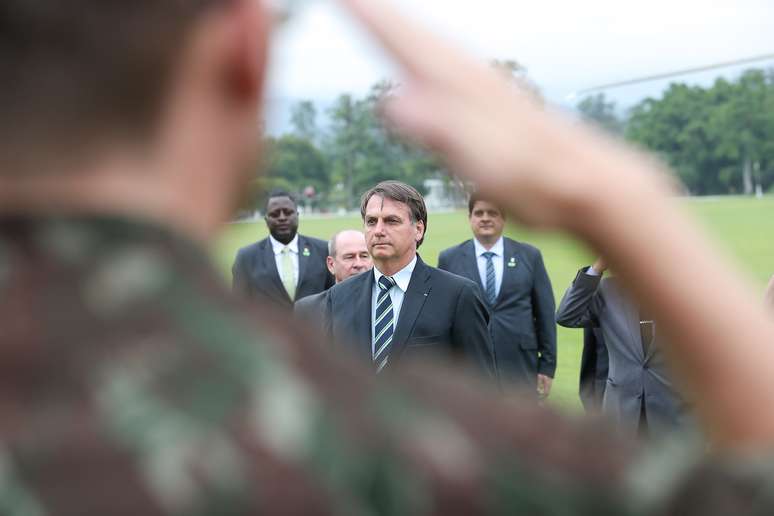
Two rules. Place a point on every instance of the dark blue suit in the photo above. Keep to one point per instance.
(256, 276)
(522, 321)
(442, 315)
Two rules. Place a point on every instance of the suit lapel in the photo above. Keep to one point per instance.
(304, 252)
(413, 301)
(510, 255)
(632, 314)
(470, 263)
(270, 265)
(361, 325)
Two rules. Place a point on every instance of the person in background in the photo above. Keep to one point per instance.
(406, 309)
(518, 294)
(593, 370)
(347, 256)
(640, 395)
(284, 266)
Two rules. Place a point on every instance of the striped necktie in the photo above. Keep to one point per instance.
(383, 327)
(490, 287)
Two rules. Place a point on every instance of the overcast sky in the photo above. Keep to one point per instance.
(565, 45)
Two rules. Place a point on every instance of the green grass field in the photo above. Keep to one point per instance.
(742, 227)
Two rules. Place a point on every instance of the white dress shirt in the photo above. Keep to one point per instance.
(397, 293)
(277, 247)
(497, 260)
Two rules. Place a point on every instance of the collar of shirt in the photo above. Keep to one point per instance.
(278, 246)
(402, 277)
(498, 249)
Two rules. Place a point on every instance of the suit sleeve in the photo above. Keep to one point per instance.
(471, 330)
(240, 278)
(443, 260)
(579, 306)
(544, 313)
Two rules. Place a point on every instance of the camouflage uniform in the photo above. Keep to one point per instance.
(131, 383)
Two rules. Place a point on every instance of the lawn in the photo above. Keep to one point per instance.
(742, 227)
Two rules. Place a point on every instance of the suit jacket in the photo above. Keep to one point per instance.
(255, 271)
(634, 377)
(522, 319)
(593, 370)
(311, 310)
(441, 315)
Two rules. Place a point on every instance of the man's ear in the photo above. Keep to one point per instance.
(420, 230)
(329, 263)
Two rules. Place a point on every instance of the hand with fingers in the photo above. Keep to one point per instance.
(550, 172)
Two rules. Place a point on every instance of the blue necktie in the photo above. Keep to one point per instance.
(383, 329)
(491, 289)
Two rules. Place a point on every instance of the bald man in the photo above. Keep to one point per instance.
(347, 256)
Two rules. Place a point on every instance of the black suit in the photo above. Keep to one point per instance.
(441, 315)
(256, 276)
(311, 310)
(593, 371)
(522, 322)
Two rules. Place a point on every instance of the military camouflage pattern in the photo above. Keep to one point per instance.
(131, 383)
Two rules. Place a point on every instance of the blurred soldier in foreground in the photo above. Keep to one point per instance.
(347, 256)
(640, 396)
(131, 384)
(284, 266)
(518, 293)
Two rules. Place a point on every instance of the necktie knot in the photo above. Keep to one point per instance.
(488, 255)
(286, 250)
(386, 283)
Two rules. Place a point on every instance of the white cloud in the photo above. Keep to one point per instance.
(566, 45)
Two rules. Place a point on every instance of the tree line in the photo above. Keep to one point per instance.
(717, 139)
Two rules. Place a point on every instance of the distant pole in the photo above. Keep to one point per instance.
(667, 75)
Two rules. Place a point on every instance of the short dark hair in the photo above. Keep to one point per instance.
(279, 193)
(402, 193)
(476, 197)
(86, 72)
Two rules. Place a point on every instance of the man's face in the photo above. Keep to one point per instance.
(282, 218)
(390, 234)
(486, 221)
(351, 256)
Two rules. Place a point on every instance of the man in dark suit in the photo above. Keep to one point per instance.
(405, 309)
(639, 395)
(518, 293)
(284, 266)
(593, 370)
(347, 256)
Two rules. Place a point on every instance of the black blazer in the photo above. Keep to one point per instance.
(522, 322)
(441, 315)
(593, 370)
(255, 271)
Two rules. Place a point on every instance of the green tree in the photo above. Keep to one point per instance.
(598, 110)
(294, 163)
(303, 118)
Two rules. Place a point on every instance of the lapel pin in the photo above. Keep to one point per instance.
(306, 252)
(512, 262)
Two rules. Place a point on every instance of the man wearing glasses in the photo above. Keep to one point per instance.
(639, 395)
